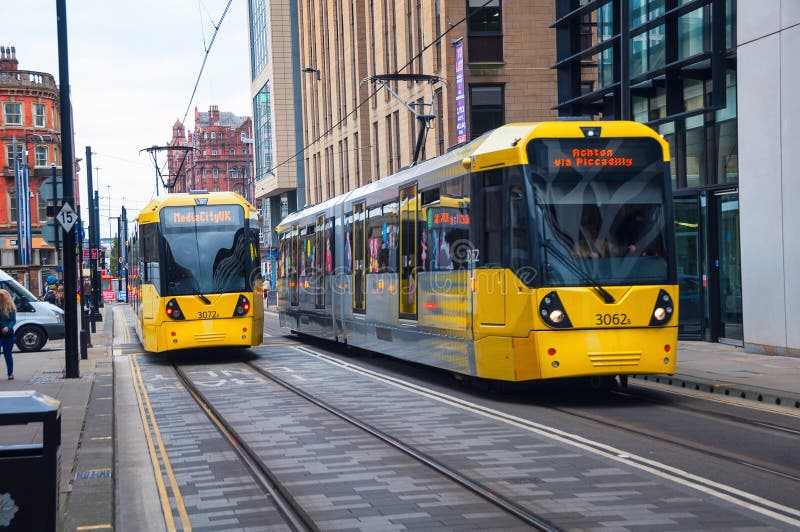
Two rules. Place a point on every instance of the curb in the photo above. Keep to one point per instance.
(730, 389)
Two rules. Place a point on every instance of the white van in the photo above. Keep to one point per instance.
(37, 321)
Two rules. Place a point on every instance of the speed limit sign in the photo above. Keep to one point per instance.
(67, 217)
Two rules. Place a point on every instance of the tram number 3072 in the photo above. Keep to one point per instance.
(207, 315)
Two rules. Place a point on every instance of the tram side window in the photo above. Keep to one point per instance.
(348, 243)
(307, 251)
(492, 252)
(445, 236)
(283, 245)
(150, 263)
(329, 246)
(520, 239)
(382, 238)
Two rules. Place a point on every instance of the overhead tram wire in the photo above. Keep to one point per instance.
(205, 58)
(368, 98)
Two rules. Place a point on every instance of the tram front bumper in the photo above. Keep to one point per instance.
(587, 352)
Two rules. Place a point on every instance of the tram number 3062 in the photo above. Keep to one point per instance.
(612, 319)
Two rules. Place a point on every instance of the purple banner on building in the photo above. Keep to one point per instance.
(461, 106)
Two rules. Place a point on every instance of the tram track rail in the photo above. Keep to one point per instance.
(482, 491)
(294, 514)
(680, 443)
(785, 514)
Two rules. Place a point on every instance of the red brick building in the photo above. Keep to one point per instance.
(221, 158)
(29, 113)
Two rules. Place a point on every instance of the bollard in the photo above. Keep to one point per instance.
(29, 482)
(84, 345)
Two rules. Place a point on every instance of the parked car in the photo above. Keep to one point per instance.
(37, 321)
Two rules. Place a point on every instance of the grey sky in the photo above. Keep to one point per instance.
(132, 68)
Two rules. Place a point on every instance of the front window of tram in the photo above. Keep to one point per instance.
(206, 249)
(600, 213)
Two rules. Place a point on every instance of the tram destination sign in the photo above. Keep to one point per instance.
(209, 215)
(627, 154)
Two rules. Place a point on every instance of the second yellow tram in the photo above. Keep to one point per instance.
(537, 251)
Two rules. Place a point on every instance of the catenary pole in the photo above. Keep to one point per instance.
(71, 362)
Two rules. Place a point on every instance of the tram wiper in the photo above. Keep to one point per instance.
(585, 277)
(204, 298)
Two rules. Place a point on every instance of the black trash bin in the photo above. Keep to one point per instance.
(29, 471)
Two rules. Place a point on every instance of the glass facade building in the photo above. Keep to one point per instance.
(671, 64)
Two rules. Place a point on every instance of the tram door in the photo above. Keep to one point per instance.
(359, 254)
(408, 252)
(294, 288)
(319, 265)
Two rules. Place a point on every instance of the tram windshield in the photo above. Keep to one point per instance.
(600, 212)
(206, 249)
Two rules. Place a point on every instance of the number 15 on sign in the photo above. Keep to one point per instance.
(67, 217)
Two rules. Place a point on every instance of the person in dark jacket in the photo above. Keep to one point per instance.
(50, 296)
(8, 318)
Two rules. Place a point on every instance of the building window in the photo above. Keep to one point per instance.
(10, 153)
(259, 36)
(485, 31)
(244, 151)
(692, 38)
(41, 156)
(439, 120)
(12, 205)
(205, 134)
(262, 121)
(13, 113)
(215, 173)
(486, 108)
(213, 135)
(644, 10)
(204, 153)
(647, 51)
(358, 159)
(213, 151)
(38, 115)
(242, 137)
(233, 152)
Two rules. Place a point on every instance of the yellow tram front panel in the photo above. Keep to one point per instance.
(206, 325)
(513, 342)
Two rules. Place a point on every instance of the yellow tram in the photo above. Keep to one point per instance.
(537, 251)
(195, 272)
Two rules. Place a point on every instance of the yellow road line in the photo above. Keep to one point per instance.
(162, 490)
(176, 491)
(94, 527)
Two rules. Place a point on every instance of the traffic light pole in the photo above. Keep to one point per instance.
(55, 202)
(94, 313)
(71, 362)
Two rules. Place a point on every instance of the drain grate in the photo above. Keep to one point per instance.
(48, 377)
(93, 473)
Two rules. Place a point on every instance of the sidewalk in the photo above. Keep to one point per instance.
(728, 370)
(43, 372)
(87, 405)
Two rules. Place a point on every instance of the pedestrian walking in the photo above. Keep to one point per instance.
(8, 318)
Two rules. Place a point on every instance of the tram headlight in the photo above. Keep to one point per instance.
(552, 311)
(663, 310)
(174, 310)
(242, 307)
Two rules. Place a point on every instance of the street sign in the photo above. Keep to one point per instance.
(67, 217)
(85, 254)
(49, 232)
(46, 189)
